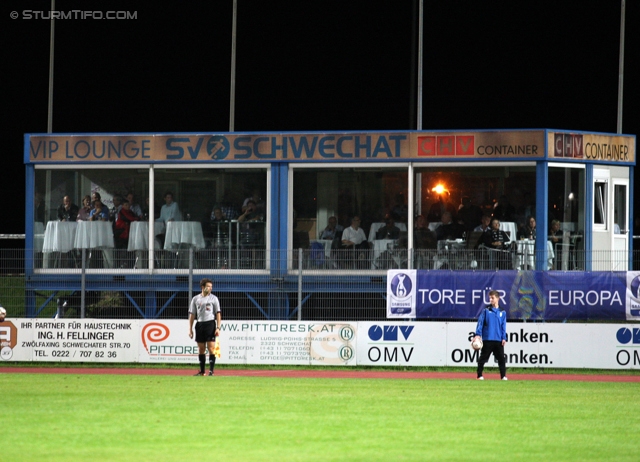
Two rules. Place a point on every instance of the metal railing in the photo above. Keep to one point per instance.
(310, 284)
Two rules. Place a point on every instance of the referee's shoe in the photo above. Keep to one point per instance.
(198, 374)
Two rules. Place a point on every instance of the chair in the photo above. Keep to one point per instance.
(317, 257)
(474, 239)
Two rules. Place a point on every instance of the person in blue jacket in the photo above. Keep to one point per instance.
(492, 328)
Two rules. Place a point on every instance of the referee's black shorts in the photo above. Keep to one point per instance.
(205, 331)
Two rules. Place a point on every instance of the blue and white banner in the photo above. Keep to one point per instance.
(526, 295)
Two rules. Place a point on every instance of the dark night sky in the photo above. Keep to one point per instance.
(314, 65)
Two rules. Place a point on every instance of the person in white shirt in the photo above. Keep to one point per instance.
(354, 243)
(353, 236)
(170, 210)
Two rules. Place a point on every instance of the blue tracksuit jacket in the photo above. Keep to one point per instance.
(492, 324)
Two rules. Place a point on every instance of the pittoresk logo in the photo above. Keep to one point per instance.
(154, 332)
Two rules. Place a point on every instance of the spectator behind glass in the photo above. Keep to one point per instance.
(99, 212)
(256, 198)
(170, 210)
(123, 224)
(555, 233)
(85, 212)
(217, 216)
(423, 237)
(389, 230)
(504, 210)
(495, 238)
(449, 230)
(67, 210)
(354, 236)
(251, 213)
(469, 214)
(332, 230)
(529, 229)
(96, 200)
(484, 224)
(134, 207)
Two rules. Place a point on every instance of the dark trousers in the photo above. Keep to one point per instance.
(488, 347)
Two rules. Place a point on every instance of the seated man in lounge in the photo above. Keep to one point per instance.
(332, 230)
(498, 240)
(354, 240)
(97, 203)
(449, 230)
(100, 212)
(389, 230)
(67, 211)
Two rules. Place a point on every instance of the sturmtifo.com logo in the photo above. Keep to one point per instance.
(401, 294)
(633, 296)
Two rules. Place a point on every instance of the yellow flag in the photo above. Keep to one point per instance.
(216, 348)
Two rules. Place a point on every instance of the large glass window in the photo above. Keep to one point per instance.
(467, 193)
(567, 216)
(369, 193)
(219, 213)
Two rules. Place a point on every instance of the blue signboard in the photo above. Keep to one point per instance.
(526, 295)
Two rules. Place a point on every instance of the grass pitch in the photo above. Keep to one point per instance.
(167, 418)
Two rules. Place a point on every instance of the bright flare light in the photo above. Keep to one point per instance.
(439, 189)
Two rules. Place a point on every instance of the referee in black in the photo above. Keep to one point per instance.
(206, 308)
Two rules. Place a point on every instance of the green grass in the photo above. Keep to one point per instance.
(139, 418)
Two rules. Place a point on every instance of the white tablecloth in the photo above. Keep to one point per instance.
(379, 246)
(139, 234)
(526, 255)
(511, 228)
(59, 236)
(326, 243)
(184, 232)
(94, 234)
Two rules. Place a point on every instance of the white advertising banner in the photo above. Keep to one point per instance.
(401, 343)
(593, 346)
(166, 341)
(254, 342)
(69, 340)
(384, 343)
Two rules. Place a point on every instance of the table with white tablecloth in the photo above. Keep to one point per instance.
(183, 235)
(510, 228)
(96, 235)
(379, 247)
(139, 239)
(526, 255)
(59, 236)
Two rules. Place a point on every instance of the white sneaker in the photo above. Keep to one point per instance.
(504, 378)
(480, 378)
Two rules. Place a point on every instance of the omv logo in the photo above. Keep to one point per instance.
(401, 286)
(218, 147)
(626, 335)
(389, 333)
